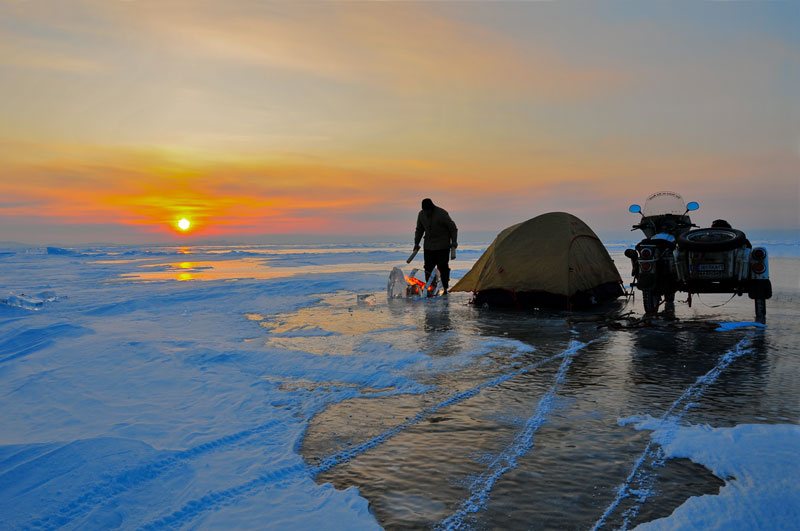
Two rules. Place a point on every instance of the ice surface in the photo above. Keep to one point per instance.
(134, 399)
(508, 458)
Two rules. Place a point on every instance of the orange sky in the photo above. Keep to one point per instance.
(253, 118)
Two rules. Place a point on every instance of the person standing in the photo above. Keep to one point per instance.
(441, 236)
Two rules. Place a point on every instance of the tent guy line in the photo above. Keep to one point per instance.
(214, 500)
(694, 391)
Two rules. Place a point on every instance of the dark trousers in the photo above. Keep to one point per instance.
(440, 259)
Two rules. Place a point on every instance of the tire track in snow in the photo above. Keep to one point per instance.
(694, 391)
(345, 455)
(217, 499)
(134, 477)
(507, 459)
(221, 498)
(35, 339)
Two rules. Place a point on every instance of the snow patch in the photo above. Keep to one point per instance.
(758, 462)
(63, 252)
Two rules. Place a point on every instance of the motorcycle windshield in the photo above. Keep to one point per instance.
(661, 203)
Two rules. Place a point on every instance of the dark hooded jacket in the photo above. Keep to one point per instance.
(440, 231)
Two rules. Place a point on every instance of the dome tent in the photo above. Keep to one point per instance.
(554, 260)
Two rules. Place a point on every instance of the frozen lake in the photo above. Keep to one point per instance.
(259, 387)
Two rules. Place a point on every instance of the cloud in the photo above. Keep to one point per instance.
(150, 189)
(35, 37)
(30, 59)
(399, 47)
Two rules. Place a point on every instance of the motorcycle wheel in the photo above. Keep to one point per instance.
(711, 240)
(650, 299)
(761, 308)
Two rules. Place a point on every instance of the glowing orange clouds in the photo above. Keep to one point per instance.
(150, 192)
(159, 193)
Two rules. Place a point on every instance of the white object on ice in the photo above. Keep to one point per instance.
(400, 285)
(30, 302)
(366, 298)
(432, 283)
(397, 284)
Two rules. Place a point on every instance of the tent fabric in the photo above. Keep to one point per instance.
(555, 253)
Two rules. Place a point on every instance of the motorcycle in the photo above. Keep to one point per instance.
(677, 255)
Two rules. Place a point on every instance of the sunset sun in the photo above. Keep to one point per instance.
(184, 224)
